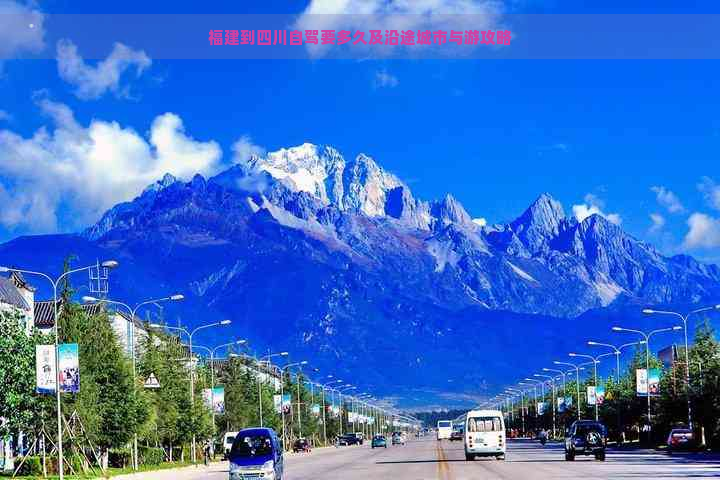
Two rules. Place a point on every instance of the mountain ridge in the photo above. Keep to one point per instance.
(359, 275)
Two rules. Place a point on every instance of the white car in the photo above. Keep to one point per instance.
(444, 430)
(484, 434)
(228, 442)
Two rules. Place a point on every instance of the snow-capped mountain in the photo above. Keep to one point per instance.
(305, 249)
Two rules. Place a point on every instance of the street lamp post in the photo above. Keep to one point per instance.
(684, 319)
(552, 382)
(324, 386)
(557, 371)
(340, 391)
(647, 336)
(522, 405)
(282, 392)
(212, 351)
(595, 362)
(108, 264)
(257, 365)
(132, 311)
(616, 351)
(577, 382)
(190, 334)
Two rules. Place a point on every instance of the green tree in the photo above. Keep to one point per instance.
(108, 404)
(21, 408)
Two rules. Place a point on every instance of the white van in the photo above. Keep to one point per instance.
(484, 434)
(444, 429)
(228, 440)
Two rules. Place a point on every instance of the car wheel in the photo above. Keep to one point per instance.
(600, 456)
(469, 457)
(569, 456)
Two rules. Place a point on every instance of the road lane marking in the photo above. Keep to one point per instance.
(443, 465)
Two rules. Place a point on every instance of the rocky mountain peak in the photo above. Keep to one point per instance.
(540, 223)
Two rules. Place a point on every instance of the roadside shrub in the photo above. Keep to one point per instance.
(119, 457)
(32, 467)
(151, 455)
(77, 463)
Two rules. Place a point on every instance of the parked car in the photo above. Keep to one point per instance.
(256, 453)
(379, 441)
(585, 437)
(457, 434)
(228, 440)
(681, 439)
(343, 441)
(354, 438)
(398, 439)
(301, 445)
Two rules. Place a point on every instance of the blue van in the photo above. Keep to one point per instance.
(256, 453)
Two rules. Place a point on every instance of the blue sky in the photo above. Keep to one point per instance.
(637, 140)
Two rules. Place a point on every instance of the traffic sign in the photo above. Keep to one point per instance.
(152, 382)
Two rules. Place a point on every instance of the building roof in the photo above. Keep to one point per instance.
(19, 280)
(10, 294)
(45, 313)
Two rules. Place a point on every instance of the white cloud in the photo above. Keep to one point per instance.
(658, 222)
(383, 79)
(668, 199)
(93, 82)
(704, 232)
(21, 29)
(593, 206)
(711, 190)
(480, 222)
(244, 148)
(84, 170)
(399, 15)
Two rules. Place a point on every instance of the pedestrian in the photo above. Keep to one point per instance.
(206, 453)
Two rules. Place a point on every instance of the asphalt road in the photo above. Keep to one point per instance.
(426, 459)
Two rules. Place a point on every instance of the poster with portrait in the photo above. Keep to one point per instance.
(591, 395)
(69, 365)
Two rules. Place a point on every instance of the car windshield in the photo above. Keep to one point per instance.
(444, 424)
(583, 430)
(484, 424)
(252, 446)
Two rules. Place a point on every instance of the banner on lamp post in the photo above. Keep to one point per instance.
(561, 404)
(600, 394)
(45, 373)
(69, 365)
(654, 382)
(591, 395)
(641, 384)
(218, 399)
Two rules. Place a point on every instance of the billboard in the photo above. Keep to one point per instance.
(591, 395)
(218, 399)
(600, 394)
(654, 382)
(45, 373)
(641, 382)
(69, 365)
